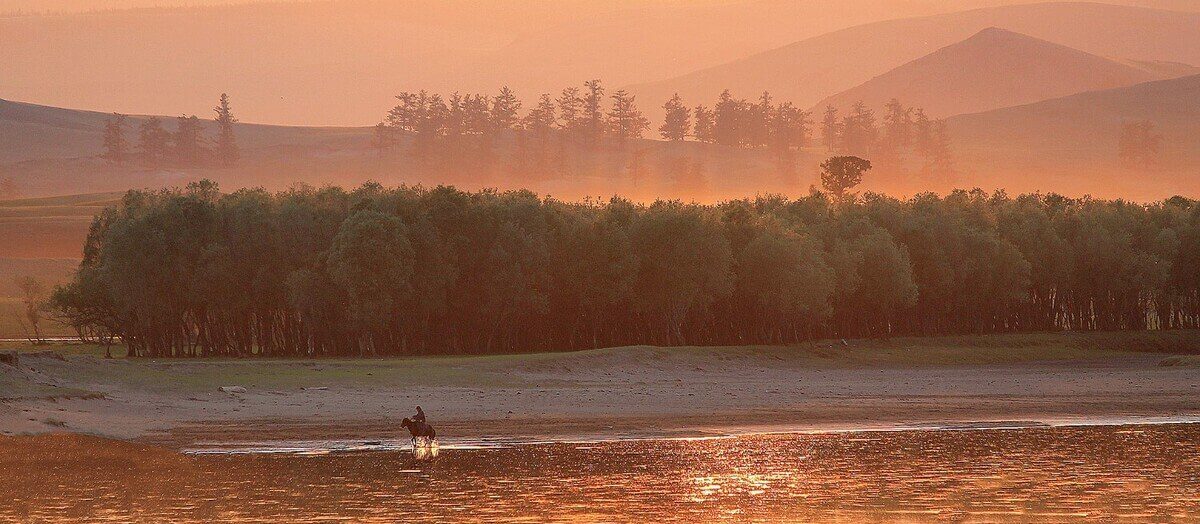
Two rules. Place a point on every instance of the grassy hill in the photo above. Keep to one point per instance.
(997, 68)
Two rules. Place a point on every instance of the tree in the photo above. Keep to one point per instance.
(189, 148)
(226, 143)
(540, 120)
(593, 121)
(154, 142)
(790, 128)
(570, 112)
(897, 134)
(705, 130)
(728, 120)
(783, 278)
(842, 173)
(1138, 145)
(382, 138)
(116, 146)
(831, 130)
(505, 109)
(676, 126)
(939, 157)
(625, 121)
(371, 259)
(33, 298)
(859, 134)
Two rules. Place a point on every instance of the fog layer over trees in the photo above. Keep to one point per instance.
(375, 271)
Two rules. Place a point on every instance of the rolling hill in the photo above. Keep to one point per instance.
(1073, 140)
(809, 70)
(33, 131)
(997, 68)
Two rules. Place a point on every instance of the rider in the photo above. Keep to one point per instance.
(420, 416)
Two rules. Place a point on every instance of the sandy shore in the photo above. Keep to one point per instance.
(619, 392)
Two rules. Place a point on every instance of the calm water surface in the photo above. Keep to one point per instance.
(1099, 473)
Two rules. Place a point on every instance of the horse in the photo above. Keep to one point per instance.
(419, 430)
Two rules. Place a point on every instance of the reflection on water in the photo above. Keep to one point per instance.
(1103, 473)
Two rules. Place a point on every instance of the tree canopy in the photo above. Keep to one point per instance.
(412, 270)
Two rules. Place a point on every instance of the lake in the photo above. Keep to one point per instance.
(1125, 473)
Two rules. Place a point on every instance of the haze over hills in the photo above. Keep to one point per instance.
(998, 68)
(1062, 141)
(809, 70)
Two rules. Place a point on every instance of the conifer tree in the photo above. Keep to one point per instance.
(831, 130)
(154, 142)
(189, 147)
(727, 121)
(625, 121)
(570, 112)
(939, 164)
(227, 148)
(505, 109)
(116, 146)
(897, 134)
(705, 128)
(859, 131)
(593, 112)
(677, 123)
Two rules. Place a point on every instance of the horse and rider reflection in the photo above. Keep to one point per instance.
(422, 433)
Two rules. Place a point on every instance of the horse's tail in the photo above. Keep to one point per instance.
(432, 433)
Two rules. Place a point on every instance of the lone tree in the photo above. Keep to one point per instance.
(227, 148)
(677, 124)
(842, 173)
(116, 146)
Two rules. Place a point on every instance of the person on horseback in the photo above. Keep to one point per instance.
(420, 416)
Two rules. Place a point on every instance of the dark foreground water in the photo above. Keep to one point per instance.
(1099, 473)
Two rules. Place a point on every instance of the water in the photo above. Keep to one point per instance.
(1130, 473)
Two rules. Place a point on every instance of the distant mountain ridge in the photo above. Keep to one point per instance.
(998, 68)
(807, 71)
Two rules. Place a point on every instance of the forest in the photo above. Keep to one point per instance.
(413, 270)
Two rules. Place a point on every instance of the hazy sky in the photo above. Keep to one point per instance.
(903, 7)
(339, 62)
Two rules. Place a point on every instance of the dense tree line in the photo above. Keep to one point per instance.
(186, 146)
(459, 132)
(375, 271)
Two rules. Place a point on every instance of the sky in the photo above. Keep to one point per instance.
(340, 62)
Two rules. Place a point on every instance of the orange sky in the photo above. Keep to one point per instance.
(339, 62)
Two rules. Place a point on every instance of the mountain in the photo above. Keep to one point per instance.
(998, 68)
(809, 70)
(1073, 140)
